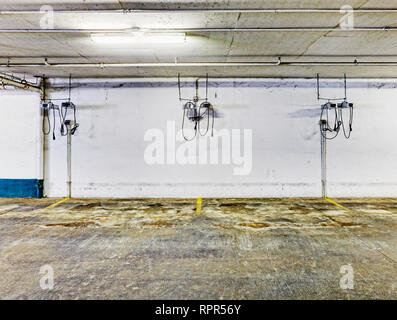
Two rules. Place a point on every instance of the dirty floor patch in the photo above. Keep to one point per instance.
(234, 249)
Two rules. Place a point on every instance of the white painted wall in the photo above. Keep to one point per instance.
(366, 164)
(20, 135)
(108, 149)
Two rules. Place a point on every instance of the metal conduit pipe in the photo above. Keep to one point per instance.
(227, 29)
(379, 64)
(143, 64)
(202, 10)
(201, 64)
(20, 84)
(280, 29)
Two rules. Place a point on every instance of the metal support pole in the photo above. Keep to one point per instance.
(68, 124)
(323, 124)
(43, 136)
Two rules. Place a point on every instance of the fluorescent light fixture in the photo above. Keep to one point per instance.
(139, 38)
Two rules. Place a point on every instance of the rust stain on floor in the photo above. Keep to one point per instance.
(70, 224)
(161, 223)
(255, 225)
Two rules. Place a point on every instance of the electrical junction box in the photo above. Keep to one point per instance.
(345, 104)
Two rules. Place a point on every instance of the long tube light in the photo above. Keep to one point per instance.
(139, 38)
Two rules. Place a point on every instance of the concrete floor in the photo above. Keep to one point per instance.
(235, 249)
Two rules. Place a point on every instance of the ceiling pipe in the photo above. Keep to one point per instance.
(201, 10)
(143, 64)
(69, 30)
(378, 64)
(279, 62)
(178, 30)
(23, 84)
(280, 29)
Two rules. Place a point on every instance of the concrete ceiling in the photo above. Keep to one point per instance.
(201, 46)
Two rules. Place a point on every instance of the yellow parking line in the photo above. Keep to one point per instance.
(198, 207)
(56, 203)
(338, 205)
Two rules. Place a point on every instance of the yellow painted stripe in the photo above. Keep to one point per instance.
(338, 205)
(198, 207)
(56, 203)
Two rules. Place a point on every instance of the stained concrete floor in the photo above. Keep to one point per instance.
(234, 249)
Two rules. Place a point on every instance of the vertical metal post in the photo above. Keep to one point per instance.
(43, 136)
(323, 125)
(68, 124)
